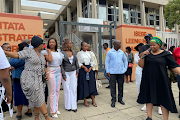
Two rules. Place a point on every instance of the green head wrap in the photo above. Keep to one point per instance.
(156, 40)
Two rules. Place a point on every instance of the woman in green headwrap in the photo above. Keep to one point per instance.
(155, 86)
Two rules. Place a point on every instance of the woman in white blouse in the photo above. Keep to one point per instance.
(54, 59)
(86, 78)
(138, 71)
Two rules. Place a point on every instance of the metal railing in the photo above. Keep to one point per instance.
(171, 38)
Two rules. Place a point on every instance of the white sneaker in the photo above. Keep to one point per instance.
(58, 112)
(159, 111)
(143, 108)
(54, 116)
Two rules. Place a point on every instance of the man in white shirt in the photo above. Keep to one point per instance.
(4, 76)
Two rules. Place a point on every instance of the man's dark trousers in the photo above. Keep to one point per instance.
(120, 81)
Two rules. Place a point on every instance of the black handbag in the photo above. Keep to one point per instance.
(44, 74)
(44, 77)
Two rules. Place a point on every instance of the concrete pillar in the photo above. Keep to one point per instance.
(2, 4)
(79, 9)
(17, 6)
(95, 36)
(121, 15)
(94, 9)
(69, 27)
(143, 16)
(176, 28)
(161, 18)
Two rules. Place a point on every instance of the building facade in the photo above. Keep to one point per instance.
(132, 12)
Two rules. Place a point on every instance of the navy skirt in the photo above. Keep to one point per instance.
(19, 97)
(86, 88)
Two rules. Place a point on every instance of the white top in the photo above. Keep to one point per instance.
(85, 58)
(4, 62)
(138, 68)
(71, 59)
(57, 59)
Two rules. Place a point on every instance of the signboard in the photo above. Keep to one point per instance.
(90, 21)
(131, 36)
(14, 28)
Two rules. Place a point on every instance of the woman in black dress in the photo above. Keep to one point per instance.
(155, 86)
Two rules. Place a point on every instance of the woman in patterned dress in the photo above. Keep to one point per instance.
(31, 78)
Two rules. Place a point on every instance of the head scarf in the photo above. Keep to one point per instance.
(156, 40)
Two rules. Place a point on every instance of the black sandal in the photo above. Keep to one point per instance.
(28, 114)
(74, 110)
(94, 104)
(18, 117)
(87, 105)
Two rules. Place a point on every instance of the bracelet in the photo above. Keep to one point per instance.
(47, 73)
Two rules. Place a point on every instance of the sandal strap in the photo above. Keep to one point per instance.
(46, 115)
(36, 115)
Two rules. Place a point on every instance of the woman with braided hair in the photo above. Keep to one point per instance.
(70, 69)
(155, 86)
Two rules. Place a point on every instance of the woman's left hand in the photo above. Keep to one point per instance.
(47, 76)
(89, 69)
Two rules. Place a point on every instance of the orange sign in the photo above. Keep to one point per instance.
(131, 36)
(14, 28)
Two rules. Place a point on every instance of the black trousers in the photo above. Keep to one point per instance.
(120, 80)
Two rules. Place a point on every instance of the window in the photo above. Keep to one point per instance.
(90, 10)
(125, 6)
(110, 12)
(117, 13)
(102, 2)
(85, 8)
(74, 18)
(151, 18)
(157, 16)
(102, 13)
(126, 13)
(138, 15)
(133, 14)
(126, 16)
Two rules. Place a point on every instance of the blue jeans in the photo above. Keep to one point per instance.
(178, 81)
(105, 74)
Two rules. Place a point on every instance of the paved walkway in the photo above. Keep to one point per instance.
(129, 111)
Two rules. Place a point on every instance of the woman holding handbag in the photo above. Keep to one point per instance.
(130, 59)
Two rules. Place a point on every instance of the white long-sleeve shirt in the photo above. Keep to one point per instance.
(85, 58)
(138, 68)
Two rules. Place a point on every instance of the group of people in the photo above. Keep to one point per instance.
(152, 74)
(35, 68)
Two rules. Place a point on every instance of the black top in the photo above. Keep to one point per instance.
(155, 85)
(144, 48)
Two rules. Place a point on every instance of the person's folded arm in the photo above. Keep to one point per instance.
(107, 62)
(16, 62)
